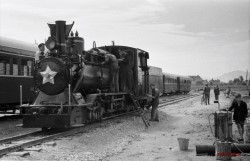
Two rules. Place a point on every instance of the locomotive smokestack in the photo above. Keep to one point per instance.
(61, 36)
(59, 33)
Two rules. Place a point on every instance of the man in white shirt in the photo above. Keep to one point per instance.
(41, 52)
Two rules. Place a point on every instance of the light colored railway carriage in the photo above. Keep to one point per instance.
(156, 77)
(170, 83)
(184, 84)
(16, 68)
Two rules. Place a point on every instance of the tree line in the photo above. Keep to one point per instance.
(238, 81)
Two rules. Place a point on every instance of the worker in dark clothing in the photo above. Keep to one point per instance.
(240, 114)
(112, 61)
(124, 68)
(155, 103)
(126, 73)
(207, 94)
(228, 92)
(216, 92)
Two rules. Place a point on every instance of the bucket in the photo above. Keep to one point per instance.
(223, 150)
(183, 143)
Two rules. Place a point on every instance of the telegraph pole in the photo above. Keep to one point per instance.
(247, 78)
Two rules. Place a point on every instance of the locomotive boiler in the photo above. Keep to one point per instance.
(73, 85)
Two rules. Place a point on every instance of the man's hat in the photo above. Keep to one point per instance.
(41, 45)
(238, 95)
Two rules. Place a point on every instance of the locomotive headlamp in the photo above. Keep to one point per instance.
(51, 43)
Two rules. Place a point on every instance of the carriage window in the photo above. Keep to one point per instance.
(4, 65)
(29, 67)
(24, 67)
(15, 66)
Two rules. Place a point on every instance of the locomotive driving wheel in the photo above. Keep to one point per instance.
(96, 111)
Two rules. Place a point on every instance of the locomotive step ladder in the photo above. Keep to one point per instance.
(141, 111)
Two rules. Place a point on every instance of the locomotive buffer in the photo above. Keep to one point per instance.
(140, 110)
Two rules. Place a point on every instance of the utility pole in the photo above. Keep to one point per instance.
(247, 78)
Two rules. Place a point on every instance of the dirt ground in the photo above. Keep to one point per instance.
(8, 128)
(126, 138)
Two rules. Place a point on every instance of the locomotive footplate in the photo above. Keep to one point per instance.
(54, 116)
(52, 120)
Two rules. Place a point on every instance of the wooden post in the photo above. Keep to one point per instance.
(223, 150)
(21, 96)
(69, 94)
(223, 126)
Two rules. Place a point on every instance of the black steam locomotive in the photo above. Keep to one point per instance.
(73, 86)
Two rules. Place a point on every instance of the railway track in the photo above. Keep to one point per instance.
(20, 142)
(176, 100)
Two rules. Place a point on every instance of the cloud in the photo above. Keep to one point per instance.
(177, 33)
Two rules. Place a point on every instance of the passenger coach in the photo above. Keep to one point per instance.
(16, 68)
(168, 83)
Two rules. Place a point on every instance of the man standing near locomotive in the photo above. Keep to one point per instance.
(207, 94)
(155, 103)
(112, 61)
(240, 114)
(126, 73)
(41, 52)
(228, 92)
(216, 92)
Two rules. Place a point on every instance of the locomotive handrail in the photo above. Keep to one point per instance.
(94, 64)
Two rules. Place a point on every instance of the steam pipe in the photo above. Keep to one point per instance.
(69, 94)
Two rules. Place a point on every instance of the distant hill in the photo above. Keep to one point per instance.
(231, 75)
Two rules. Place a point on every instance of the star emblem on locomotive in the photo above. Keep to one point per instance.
(48, 75)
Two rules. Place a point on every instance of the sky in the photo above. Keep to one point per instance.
(185, 37)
